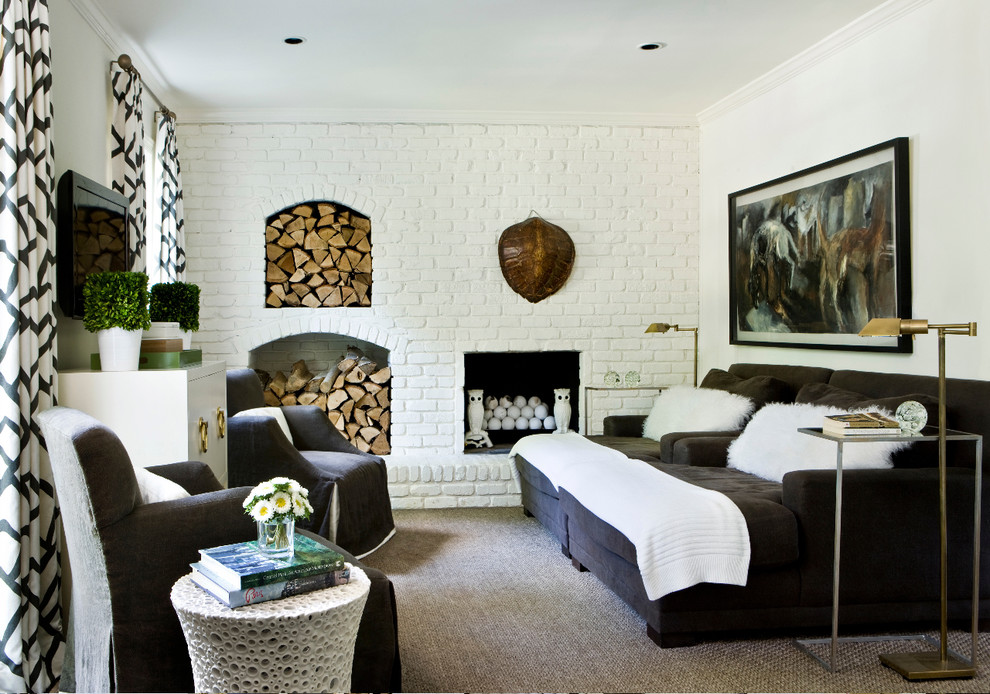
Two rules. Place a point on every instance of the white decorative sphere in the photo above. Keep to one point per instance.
(513, 411)
(489, 414)
(550, 423)
(505, 401)
(522, 423)
(535, 423)
(499, 412)
(534, 401)
(494, 424)
(526, 411)
(491, 402)
(540, 411)
(519, 401)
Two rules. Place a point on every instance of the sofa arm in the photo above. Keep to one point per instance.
(700, 449)
(624, 425)
(192, 475)
(890, 534)
(312, 430)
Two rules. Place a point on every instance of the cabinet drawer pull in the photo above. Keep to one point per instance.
(204, 434)
(221, 423)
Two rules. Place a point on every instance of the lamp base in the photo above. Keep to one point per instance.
(927, 665)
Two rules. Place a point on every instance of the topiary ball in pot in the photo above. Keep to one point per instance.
(176, 302)
(115, 307)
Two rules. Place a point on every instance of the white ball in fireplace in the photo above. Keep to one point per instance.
(522, 423)
(489, 414)
(534, 401)
(505, 401)
(535, 423)
(513, 411)
(550, 423)
(519, 401)
(494, 424)
(499, 412)
(491, 402)
(540, 411)
(526, 411)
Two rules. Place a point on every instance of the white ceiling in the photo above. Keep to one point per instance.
(489, 56)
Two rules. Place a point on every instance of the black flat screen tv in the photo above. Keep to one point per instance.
(91, 222)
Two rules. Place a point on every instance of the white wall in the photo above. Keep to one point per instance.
(924, 75)
(439, 196)
(82, 99)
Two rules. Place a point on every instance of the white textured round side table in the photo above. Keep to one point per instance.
(300, 644)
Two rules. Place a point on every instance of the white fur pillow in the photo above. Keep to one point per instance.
(683, 408)
(273, 412)
(152, 487)
(771, 444)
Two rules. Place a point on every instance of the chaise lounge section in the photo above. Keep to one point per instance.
(889, 570)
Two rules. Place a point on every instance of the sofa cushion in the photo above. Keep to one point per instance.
(273, 412)
(771, 445)
(760, 389)
(638, 447)
(827, 394)
(773, 531)
(684, 408)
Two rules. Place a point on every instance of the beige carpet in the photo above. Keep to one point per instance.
(487, 603)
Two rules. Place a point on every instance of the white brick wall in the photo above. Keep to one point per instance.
(438, 197)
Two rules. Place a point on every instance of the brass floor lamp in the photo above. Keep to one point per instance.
(664, 327)
(930, 664)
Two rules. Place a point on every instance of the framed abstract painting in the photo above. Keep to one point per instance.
(814, 255)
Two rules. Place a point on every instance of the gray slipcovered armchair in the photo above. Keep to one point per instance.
(125, 555)
(348, 488)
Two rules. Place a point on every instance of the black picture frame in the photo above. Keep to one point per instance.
(91, 236)
(814, 255)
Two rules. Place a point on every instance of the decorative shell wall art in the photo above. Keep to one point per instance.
(536, 258)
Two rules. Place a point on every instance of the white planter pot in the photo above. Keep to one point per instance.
(120, 350)
(187, 339)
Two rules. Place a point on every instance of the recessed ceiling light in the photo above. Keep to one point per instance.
(294, 40)
(652, 46)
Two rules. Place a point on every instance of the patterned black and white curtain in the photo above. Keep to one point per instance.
(127, 157)
(172, 256)
(31, 655)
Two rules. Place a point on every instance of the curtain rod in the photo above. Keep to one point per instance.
(127, 65)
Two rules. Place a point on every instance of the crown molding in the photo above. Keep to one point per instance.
(119, 42)
(836, 42)
(321, 115)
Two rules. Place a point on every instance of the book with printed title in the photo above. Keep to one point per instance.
(241, 565)
(202, 577)
(865, 423)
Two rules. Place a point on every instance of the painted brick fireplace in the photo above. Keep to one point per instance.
(438, 197)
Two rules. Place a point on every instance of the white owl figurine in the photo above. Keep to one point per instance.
(476, 436)
(562, 409)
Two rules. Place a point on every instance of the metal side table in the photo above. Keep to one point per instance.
(840, 441)
(587, 399)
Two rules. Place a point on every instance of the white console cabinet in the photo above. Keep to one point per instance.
(161, 416)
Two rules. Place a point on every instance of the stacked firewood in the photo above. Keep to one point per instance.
(354, 394)
(319, 254)
(98, 242)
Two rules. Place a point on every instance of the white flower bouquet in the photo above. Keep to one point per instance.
(278, 500)
(275, 505)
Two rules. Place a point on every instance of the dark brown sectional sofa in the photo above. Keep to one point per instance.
(890, 539)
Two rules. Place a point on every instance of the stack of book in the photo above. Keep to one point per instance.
(860, 423)
(239, 574)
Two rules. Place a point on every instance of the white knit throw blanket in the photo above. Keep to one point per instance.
(683, 534)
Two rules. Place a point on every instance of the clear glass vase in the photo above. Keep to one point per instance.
(277, 540)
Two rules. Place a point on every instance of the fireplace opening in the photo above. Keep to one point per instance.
(349, 379)
(518, 393)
